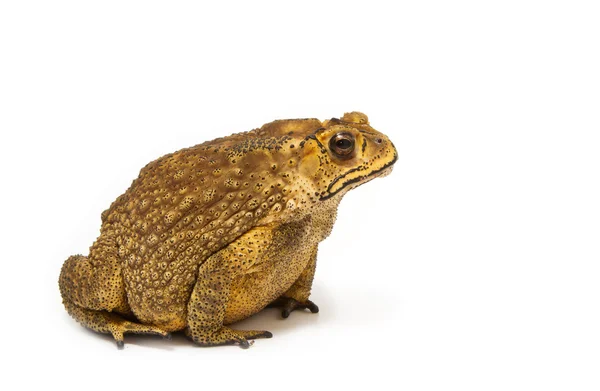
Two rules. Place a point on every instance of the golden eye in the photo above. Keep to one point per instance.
(342, 144)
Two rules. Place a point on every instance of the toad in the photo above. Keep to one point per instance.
(212, 234)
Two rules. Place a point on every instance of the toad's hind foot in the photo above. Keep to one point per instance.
(111, 323)
(122, 326)
(227, 336)
(288, 305)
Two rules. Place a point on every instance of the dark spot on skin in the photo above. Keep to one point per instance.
(364, 145)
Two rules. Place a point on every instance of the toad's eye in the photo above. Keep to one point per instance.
(342, 144)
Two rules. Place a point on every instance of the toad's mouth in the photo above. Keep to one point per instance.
(357, 181)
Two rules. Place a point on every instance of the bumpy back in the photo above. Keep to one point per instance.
(188, 204)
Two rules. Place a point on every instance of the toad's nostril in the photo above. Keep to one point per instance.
(379, 141)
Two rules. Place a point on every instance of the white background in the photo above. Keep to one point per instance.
(474, 266)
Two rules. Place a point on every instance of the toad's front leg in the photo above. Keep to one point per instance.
(296, 297)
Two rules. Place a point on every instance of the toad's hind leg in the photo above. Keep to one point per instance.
(213, 300)
(207, 306)
(94, 296)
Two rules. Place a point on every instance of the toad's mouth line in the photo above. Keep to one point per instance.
(372, 175)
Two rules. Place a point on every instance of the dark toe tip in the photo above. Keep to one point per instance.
(285, 313)
(244, 344)
(268, 334)
(120, 344)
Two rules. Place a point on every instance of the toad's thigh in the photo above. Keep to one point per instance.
(270, 274)
(251, 292)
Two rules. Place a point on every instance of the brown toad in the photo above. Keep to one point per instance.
(212, 234)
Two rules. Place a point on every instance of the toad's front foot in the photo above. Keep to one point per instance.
(288, 305)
